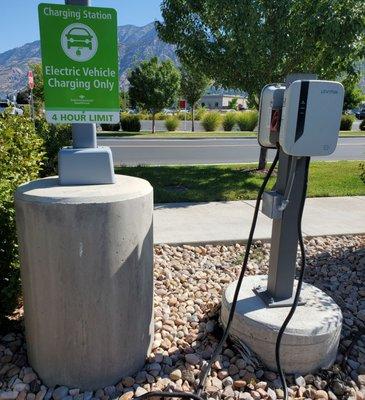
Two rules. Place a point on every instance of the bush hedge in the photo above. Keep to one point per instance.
(362, 125)
(130, 123)
(54, 138)
(229, 121)
(110, 127)
(247, 120)
(346, 122)
(171, 123)
(21, 158)
(211, 121)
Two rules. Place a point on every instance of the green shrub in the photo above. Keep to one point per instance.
(211, 121)
(26, 110)
(171, 123)
(184, 116)
(21, 156)
(110, 127)
(199, 113)
(247, 120)
(229, 121)
(346, 122)
(130, 123)
(54, 138)
(142, 116)
(160, 116)
(362, 125)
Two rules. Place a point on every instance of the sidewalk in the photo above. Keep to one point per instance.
(230, 222)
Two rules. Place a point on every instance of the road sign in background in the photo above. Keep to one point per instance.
(80, 63)
(30, 80)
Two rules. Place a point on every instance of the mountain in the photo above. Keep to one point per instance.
(135, 45)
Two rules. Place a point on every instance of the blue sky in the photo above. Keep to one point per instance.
(19, 19)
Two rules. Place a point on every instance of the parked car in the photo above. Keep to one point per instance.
(3, 104)
(13, 108)
(360, 114)
(16, 111)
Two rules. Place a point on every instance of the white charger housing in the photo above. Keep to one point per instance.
(311, 117)
(271, 101)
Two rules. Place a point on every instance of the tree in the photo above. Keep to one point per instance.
(193, 86)
(123, 100)
(256, 42)
(232, 104)
(154, 86)
(22, 96)
(353, 94)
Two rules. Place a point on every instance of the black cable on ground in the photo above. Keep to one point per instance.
(232, 310)
(204, 375)
(299, 286)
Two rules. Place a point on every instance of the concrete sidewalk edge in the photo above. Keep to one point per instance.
(231, 242)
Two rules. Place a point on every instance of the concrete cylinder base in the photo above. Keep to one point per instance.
(87, 275)
(311, 339)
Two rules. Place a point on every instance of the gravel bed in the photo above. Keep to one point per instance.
(188, 285)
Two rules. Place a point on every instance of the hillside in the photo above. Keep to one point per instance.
(135, 44)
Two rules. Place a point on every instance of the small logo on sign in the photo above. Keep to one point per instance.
(79, 42)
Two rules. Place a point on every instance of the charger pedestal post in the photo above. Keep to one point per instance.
(313, 334)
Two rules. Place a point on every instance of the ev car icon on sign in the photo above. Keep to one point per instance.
(79, 42)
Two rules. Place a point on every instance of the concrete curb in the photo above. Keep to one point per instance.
(196, 138)
(175, 138)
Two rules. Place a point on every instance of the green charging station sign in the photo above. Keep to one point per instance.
(80, 63)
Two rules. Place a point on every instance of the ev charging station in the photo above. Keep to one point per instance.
(300, 118)
(86, 234)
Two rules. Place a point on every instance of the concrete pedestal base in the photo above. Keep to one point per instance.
(87, 275)
(311, 339)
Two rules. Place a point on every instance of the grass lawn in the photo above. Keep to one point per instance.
(148, 134)
(352, 133)
(240, 181)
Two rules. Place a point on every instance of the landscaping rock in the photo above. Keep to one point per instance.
(140, 391)
(300, 381)
(321, 394)
(189, 282)
(175, 375)
(128, 381)
(192, 359)
(8, 395)
(60, 393)
(127, 396)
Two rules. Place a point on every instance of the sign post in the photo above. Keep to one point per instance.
(31, 87)
(81, 85)
(182, 105)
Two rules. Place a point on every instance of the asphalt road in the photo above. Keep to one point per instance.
(208, 151)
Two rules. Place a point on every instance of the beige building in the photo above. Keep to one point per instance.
(221, 101)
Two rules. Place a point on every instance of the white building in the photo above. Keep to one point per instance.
(221, 101)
